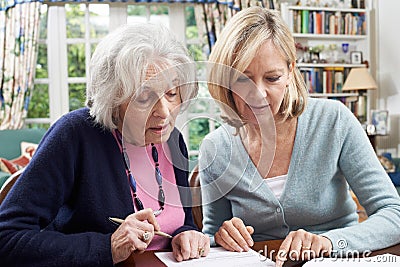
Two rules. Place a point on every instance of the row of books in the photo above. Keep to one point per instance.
(327, 22)
(325, 80)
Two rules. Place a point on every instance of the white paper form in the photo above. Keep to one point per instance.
(218, 257)
(385, 260)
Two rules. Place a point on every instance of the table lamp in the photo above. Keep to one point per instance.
(360, 80)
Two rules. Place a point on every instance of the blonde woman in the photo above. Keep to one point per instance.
(281, 165)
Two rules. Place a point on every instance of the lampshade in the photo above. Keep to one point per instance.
(359, 79)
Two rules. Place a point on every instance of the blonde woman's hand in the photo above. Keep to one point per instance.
(233, 235)
(189, 245)
(303, 245)
(135, 233)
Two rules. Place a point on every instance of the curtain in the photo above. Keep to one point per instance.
(211, 15)
(19, 25)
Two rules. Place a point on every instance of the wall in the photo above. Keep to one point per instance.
(388, 70)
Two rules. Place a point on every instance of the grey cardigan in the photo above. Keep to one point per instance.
(331, 152)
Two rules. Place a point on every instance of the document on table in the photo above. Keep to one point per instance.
(384, 260)
(218, 257)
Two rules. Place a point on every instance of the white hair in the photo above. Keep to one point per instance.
(119, 64)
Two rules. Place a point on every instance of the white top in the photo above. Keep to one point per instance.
(277, 184)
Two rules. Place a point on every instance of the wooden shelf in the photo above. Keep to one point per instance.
(329, 65)
(317, 36)
(333, 95)
(332, 9)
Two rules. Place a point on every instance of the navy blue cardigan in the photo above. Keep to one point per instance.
(57, 212)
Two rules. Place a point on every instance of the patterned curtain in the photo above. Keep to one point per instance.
(19, 25)
(211, 15)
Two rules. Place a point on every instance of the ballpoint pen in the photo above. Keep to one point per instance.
(119, 221)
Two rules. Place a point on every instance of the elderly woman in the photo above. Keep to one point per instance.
(119, 157)
(281, 167)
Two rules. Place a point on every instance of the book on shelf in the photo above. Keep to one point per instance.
(318, 21)
(326, 80)
(327, 22)
(304, 21)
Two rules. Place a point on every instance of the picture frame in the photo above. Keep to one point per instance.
(379, 118)
(356, 57)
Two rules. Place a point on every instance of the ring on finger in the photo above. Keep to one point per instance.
(305, 247)
(201, 251)
(146, 236)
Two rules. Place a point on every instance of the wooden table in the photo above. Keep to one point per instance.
(148, 258)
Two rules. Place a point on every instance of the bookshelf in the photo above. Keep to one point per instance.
(329, 41)
(326, 23)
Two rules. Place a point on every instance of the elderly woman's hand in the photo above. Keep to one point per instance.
(189, 245)
(135, 233)
(303, 245)
(233, 235)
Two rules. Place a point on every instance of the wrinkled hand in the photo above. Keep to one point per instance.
(233, 235)
(129, 235)
(189, 245)
(302, 245)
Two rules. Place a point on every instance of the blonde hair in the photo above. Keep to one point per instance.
(120, 62)
(238, 44)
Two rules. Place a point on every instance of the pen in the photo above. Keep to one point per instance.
(119, 221)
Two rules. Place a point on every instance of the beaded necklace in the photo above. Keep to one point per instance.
(132, 181)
